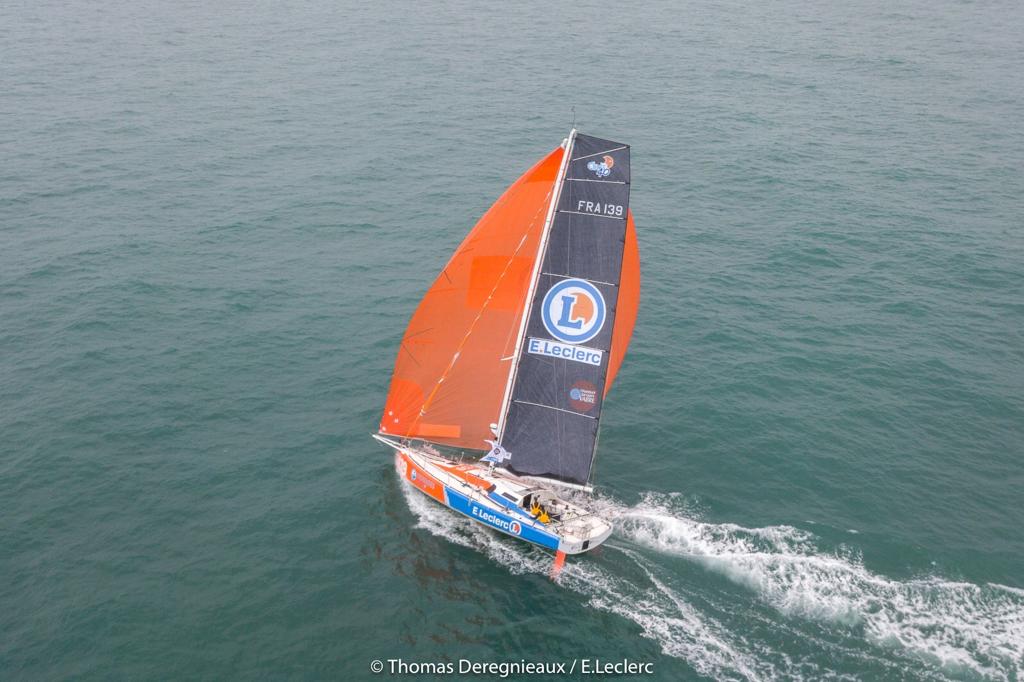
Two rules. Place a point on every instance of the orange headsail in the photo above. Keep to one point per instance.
(629, 302)
(455, 357)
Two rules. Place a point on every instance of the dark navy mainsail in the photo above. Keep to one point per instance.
(551, 422)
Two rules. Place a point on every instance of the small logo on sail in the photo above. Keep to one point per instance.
(573, 311)
(583, 396)
(602, 168)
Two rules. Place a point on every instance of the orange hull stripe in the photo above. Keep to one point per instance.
(424, 481)
(468, 477)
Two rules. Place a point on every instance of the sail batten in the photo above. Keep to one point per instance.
(549, 407)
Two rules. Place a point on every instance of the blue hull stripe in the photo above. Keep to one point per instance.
(499, 521)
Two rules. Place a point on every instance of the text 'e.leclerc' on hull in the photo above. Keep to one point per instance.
(495, 401)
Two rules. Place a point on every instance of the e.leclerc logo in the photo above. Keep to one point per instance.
(573, 311)
(497, 521)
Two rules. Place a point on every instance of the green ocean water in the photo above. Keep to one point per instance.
(217, 218)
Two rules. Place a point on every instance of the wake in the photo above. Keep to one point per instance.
(662, 616)
(961, 629)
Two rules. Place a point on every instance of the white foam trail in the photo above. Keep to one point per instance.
(964, 628)
(665, 617)
(1006, 588)
(662, 614)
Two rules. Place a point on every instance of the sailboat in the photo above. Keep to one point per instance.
(495, 402)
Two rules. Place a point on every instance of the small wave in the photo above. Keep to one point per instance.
(957, 625)
(1006, 588)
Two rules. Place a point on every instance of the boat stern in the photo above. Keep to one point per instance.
(584, 535)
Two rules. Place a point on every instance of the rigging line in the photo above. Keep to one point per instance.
(472, 326)
(508, 337)
(607, 151)
(422, 331)
(411, 356)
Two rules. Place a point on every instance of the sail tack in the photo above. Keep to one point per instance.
(456, 355)
(587, 286)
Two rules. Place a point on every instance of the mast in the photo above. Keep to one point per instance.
(556, 192)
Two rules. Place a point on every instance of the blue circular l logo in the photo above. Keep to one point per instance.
(573, 311)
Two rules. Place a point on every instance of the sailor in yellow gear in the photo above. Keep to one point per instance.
(538, 512)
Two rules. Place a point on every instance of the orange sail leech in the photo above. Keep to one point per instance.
(629, 302)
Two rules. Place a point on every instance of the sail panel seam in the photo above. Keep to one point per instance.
(551, 407)
(596, 215)
(604, 182)
(607, 151)
(593, 281)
